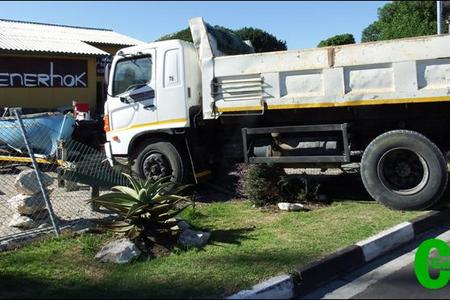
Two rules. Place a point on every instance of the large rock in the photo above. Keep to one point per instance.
(189, 238)
(27, 183)
(291, 206)
(27, 205)
(22, 222)
(182, 224)
(120, 252)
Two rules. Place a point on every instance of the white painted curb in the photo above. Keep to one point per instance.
(279, 287)
(387, 240)
(282, 287)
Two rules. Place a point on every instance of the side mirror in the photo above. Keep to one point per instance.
(106, 78)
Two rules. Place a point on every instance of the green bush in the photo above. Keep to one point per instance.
(298, 188)
(260, 184)
(269, 184)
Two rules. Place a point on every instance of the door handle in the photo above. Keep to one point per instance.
(126, 100)
(150, 106)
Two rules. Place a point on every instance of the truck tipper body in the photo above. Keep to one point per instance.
(177, 108)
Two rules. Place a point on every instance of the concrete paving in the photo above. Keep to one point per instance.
(389, 277)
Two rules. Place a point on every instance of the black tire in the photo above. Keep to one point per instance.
(404, 170)
(163, 155)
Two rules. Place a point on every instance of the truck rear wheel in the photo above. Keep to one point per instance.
(404, 170)
(159, 159)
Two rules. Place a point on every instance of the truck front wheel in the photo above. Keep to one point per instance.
(404, 170)
(159, 159)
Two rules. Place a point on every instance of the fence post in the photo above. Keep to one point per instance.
(68, 184)
(95, 192)
(38, 175)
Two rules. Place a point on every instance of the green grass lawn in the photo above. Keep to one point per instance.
(247, 246)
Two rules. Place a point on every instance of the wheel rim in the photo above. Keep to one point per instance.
(156, 166)
(403, 171)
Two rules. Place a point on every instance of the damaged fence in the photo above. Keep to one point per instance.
(45, 181)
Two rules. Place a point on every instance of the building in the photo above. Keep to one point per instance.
(49, 66)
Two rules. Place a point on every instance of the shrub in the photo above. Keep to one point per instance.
(146, 210)
(298, 188)
(268, 184)
(260, 184)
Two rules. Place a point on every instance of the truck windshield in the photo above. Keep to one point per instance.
(131, 73)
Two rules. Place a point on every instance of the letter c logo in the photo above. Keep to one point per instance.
(421, 264)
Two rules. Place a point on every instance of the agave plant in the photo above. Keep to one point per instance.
(145, 209)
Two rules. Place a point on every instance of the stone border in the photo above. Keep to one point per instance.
(313, 275)
(26, 238)
(20, 240)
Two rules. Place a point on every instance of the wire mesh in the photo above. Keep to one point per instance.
(72, 172)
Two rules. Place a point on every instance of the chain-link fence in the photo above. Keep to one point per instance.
(51, 193)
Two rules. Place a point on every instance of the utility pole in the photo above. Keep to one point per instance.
(439, 16)
(447, 21)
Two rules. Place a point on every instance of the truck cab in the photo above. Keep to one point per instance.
(152, 92)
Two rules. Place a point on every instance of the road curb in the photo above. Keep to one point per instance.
(313, 275)
(279, 287)
(435, 218)
(386, 240)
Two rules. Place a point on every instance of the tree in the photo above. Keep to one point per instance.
(261, 40)
(400, 19)
(340, 39)
(184, 34)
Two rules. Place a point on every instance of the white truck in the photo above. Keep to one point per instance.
(176, 108)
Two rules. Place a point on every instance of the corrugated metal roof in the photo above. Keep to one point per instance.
(28, 36)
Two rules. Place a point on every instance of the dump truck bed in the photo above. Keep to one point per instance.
(388, 72)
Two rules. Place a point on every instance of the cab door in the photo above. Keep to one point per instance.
(132, 100)
(172, 107)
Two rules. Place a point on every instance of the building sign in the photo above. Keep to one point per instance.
(101, 64)
(18, 72)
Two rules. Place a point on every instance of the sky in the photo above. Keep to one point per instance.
(301, 24)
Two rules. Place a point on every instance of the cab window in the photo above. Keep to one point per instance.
(131, 73)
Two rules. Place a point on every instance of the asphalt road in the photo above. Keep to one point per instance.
(402, 284)
(389, 277)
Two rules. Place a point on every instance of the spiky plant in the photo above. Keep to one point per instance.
(145, 209)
